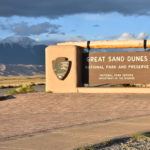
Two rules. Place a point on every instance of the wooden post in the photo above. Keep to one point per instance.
(111, 44)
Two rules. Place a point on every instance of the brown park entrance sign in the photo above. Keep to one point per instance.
(116, 68)
(69, 69)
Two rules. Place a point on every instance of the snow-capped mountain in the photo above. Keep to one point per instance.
(22, 41)
(21, 50)
(22, 56)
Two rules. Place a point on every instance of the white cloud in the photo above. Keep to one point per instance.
(126, 36)
(129, 36)
(142, 36)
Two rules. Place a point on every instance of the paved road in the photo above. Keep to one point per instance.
(77, 136)
(39, 113)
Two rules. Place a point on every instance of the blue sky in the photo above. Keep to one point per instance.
(112, 21)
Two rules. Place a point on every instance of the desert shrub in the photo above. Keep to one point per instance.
(21, 89)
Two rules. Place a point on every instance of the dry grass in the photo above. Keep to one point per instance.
(14, 81)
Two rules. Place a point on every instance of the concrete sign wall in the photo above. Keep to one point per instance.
(63, 69)
(68, 69)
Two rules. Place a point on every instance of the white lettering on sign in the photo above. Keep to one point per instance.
(137, 58)
(118, 68)
(117, 59)
(96, 59)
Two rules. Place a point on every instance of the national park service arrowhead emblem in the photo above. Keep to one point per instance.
(61, 67)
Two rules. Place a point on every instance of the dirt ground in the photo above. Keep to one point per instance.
(42, 112)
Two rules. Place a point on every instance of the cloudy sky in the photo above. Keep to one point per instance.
(64, 20)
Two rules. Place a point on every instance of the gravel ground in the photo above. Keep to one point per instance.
(137, 142)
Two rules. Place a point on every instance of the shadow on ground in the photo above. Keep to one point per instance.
(6, 97)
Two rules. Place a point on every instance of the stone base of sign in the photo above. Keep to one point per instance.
(73, 80)
(115, 90)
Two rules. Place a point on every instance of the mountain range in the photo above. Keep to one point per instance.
(21, 50)
(22, 56)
